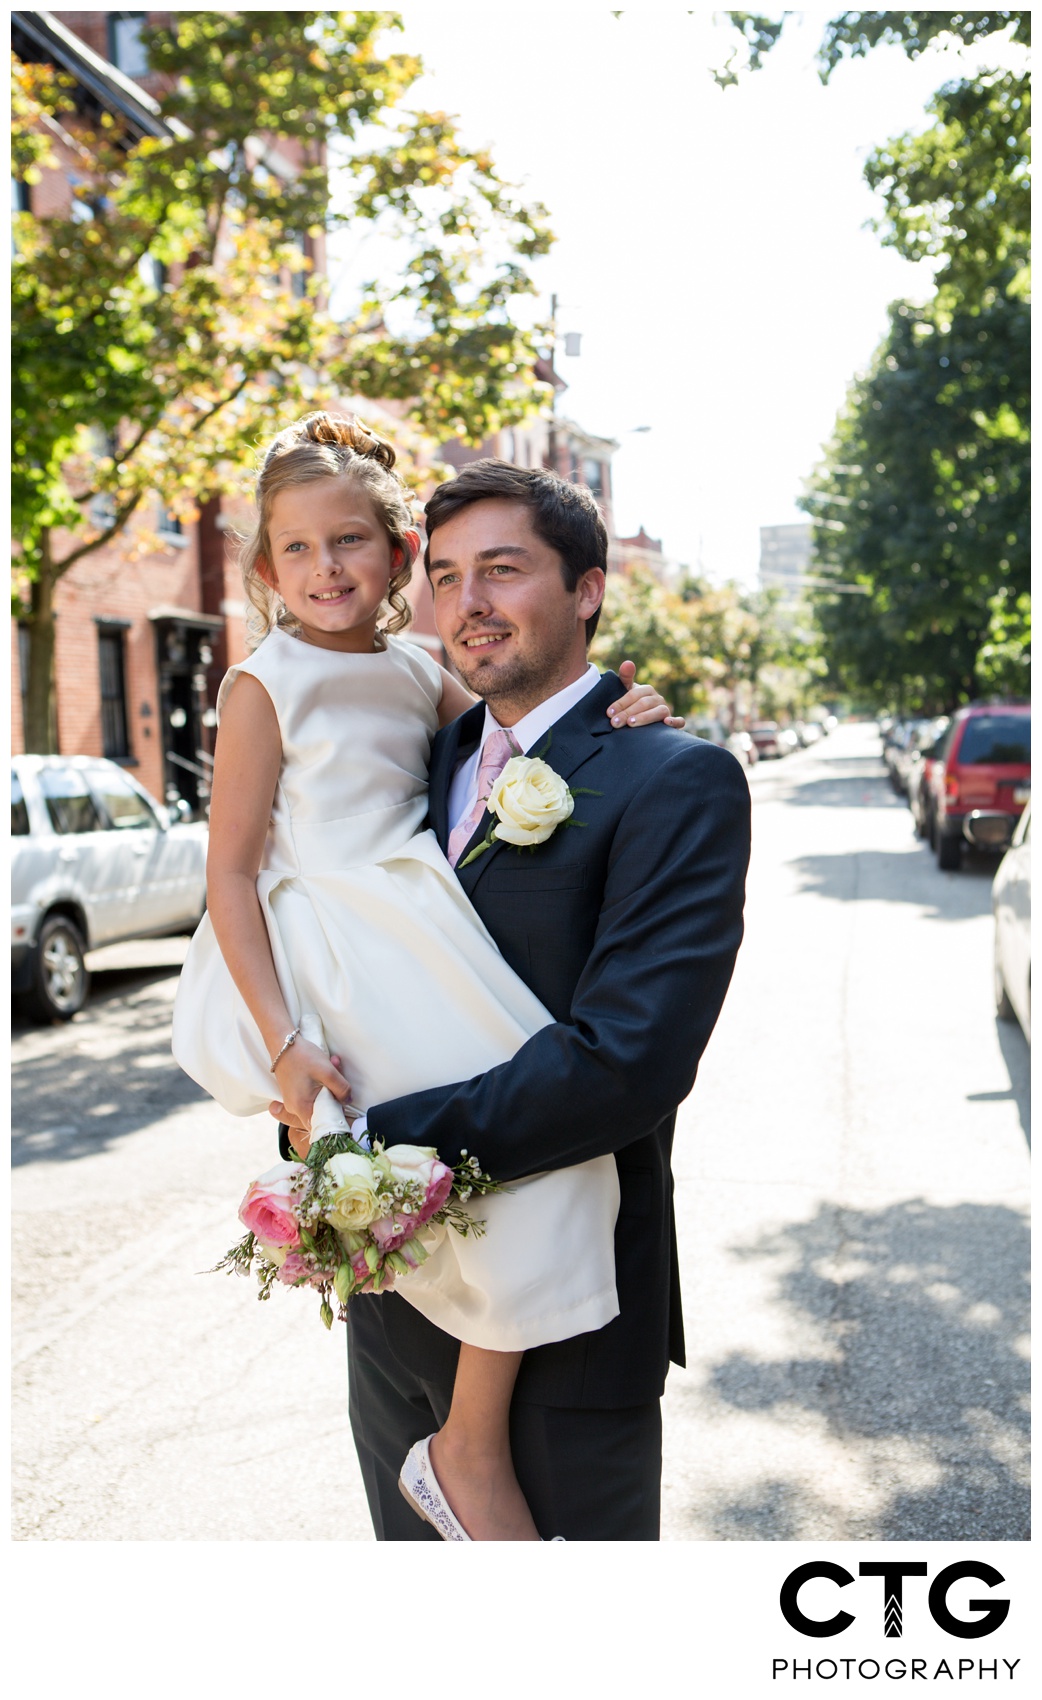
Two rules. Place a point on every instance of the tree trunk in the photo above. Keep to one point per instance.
(41, 720)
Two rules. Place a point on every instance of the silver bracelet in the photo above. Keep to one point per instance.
(286, 1043)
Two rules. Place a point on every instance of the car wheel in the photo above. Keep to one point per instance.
(1003, 1008)
(949, 853)
(61, 981)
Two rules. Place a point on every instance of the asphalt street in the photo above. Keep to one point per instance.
(852, 1190)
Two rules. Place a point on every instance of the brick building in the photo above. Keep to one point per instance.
(147, 625)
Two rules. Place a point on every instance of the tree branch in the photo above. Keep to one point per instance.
(121, 516)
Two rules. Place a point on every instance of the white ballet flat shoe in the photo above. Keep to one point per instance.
(419, 1485)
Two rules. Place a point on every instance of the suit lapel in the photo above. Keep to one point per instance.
(452, 745)
(567, 747)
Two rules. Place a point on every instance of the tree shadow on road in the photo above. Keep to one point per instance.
(58, 1109)
(853, 782)
(924, 1312)
(900, 876)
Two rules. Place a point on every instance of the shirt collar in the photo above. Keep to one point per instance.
(534, 725)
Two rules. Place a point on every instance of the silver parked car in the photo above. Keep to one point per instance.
(95, 859)
(1011, 903)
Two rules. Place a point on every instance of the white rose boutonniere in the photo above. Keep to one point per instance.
(530, 801)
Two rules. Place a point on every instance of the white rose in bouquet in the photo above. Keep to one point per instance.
(421, 1165)
(352, 1200)
(530, 801)
(410, 1163)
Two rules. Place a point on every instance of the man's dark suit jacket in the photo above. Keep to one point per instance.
(626, 927)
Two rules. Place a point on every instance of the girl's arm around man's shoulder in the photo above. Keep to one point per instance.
(640, 705)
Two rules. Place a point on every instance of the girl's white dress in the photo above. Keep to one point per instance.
(371, 930)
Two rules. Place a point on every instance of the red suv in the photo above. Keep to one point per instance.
(984, 780)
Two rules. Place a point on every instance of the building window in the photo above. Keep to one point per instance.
(171, 530)
(20, 202)
(113, 692)
(593, 477)
(126, 49)
(299, 280)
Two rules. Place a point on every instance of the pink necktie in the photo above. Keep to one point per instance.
(496, 752)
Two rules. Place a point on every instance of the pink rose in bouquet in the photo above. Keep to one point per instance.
(295, 1270)
(268, 1210)
(390, 1232)
(438, 1188)
(419, 1163)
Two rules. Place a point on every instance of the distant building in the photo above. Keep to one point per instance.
(552, 441)
(785, 557)
(624, 553)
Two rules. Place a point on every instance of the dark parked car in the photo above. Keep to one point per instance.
(908, 755)
(918, 784)
(715, 732)
(765, 736)
(980, 788)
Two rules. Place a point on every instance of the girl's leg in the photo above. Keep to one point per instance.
(471, 1452)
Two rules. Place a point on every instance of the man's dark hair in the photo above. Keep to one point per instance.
(564, 516)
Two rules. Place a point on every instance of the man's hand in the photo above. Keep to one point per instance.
(301, 1073)
(642, 704)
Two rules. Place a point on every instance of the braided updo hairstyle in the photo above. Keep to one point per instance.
(323, 446)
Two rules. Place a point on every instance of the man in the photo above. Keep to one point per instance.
(626, 927)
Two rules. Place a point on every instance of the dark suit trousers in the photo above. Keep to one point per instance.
(589, 1474)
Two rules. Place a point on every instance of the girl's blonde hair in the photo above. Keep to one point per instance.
(323, 446)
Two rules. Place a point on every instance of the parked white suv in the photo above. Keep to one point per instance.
(95, 859)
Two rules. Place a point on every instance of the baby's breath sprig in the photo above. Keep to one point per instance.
(239, 1260)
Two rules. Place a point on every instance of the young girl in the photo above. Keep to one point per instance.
(327, 898)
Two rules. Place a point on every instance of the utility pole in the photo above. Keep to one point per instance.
(552, 431)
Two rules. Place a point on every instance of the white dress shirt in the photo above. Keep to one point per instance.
(463, 791)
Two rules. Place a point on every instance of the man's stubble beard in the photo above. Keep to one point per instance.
(521, 683)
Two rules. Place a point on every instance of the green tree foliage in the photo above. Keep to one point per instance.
(130, 385)
(923, 499)
(701, 638)
(759, 34)
(852, 35)
(644, 622)
(960, 192)
(923, 494)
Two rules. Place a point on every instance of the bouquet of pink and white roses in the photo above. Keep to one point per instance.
(348, 1220)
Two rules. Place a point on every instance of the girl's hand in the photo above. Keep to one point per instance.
(642, 705)
(301, 1072)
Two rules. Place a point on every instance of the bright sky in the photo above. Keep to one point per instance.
(711, 244)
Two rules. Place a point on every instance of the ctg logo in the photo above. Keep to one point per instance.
(893, 1571)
